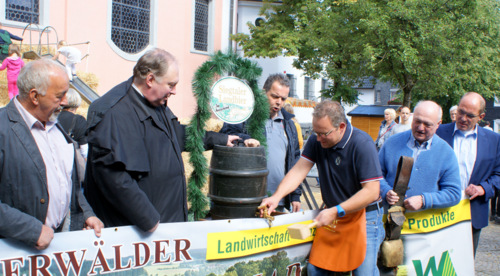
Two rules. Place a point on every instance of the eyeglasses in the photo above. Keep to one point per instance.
(463, 113)
(324, 134)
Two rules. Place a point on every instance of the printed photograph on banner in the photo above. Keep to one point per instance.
(232, 100)
(236, 247)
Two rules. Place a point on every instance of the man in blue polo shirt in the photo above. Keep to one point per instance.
(349, 173)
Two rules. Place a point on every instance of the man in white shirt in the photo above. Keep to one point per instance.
(478, 154)
(39, 187)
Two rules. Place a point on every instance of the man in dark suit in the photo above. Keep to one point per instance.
(39, 187)
(135, 173)
(478, 153)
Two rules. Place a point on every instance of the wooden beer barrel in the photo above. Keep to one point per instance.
(238, 181)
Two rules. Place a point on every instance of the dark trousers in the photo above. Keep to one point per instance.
(495, 204)
(475, 238)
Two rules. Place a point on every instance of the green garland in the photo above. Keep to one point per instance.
(218, 65)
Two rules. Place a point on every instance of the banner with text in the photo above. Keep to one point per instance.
(438, 242)
(245, 246)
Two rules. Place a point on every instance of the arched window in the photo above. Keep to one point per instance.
(131, 26)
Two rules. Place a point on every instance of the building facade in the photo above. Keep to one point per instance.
(115, 33)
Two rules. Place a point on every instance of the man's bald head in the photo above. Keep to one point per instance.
(470, 111)
(426, 120)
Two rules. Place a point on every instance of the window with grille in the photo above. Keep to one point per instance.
(130, 25)
(201, 20)
(26, 11)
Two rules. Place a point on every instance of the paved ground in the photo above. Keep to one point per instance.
(488, 253)
(487, 260)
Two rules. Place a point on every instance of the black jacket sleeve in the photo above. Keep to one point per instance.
(236, 129)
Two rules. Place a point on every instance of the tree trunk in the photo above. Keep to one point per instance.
(407, 96)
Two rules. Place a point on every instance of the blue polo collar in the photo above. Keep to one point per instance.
(346, 138)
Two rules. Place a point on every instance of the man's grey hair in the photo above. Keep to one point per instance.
(453, 108)
(155, 61)
(74, 99)
(437, 106)
(36, 75)
(333, 110)
(280, 78)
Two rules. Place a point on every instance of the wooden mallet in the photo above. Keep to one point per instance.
(301, 231)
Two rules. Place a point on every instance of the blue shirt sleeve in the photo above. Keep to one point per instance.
(309, 151)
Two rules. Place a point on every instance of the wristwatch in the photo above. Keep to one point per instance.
(340, 211)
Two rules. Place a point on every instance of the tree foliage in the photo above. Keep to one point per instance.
(432, 49)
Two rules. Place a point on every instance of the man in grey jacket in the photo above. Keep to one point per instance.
(283, 149)
(39, 187)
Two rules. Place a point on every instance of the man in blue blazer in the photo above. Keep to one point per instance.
(478, 154)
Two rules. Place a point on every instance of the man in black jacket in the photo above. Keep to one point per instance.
(135, 173)
(282, 140)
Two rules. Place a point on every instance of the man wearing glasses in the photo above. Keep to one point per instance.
(349, 173)
(478, 153)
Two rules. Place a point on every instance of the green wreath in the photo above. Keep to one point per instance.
(219, 64)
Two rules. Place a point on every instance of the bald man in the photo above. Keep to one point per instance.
(435, 181)
(478, 153)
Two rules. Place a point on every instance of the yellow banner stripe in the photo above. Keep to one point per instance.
(436, 219)
(224, 245)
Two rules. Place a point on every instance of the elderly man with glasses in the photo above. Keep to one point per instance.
(478, 153)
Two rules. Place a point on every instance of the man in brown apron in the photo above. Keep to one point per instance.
(349, 172)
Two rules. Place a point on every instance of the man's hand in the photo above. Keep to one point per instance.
(94, 223)
(45, 238)
(391, 197)
(326, 217)
(230, 139)
(296, 206)
(271, 203)
(252, 143)
(414, 203)
(474, 191)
